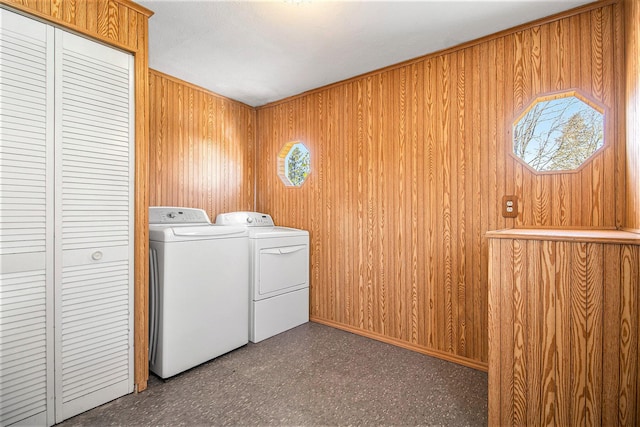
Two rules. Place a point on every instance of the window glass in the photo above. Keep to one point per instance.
(294, 164)
(558, 133)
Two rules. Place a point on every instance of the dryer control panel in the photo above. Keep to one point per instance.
(177, 215)
(249, 219)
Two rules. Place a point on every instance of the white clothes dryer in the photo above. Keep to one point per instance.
(198, 305)
(278, 276)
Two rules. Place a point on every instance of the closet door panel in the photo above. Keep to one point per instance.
(26, 221)
(94, 220)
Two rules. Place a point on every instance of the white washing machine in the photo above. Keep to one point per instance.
(279, 274)
(198, 305)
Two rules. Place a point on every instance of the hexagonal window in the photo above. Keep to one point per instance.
(294, 164)
(558, 132)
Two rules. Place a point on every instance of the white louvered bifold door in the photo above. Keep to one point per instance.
(26, 221)
(94, 224)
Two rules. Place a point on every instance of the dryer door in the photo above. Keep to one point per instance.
(282, 266)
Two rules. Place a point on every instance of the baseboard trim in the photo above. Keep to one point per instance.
(470, 363)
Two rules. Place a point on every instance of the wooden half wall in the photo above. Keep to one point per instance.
(563, 328)
(202, 148)
(409, 166)
(123, 24)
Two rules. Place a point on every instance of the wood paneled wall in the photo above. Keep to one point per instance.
(409, 166)
(632, 98)
(123, 24)
(564, 330)
(202, 148)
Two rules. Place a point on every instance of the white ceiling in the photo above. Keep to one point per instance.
(257, 52)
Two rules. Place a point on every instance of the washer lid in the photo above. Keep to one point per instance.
(181, 233)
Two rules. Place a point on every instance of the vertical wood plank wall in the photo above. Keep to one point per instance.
(409, 165)
(124, 24)
(563, 332)
(201, 148)
(632, 98)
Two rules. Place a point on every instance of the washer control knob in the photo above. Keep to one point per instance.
(96, 256)
(171, 215)
(249, 219)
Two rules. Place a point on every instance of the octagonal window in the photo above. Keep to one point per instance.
(294, 164)
(558, 132)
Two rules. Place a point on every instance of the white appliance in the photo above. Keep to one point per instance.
(279, 274)
(198, 289)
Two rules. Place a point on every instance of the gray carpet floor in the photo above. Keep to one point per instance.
(312, 375)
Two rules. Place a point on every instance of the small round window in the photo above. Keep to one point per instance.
(294, 164)
(558, 132)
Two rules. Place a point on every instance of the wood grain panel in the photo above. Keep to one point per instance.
(594, 333)
(507, 347)
(573, 338)
(106, 20)
(632, 106)
(495, 329)
(548, 360)
(141, 251)
(201, 148)
(611, 339)
(534, 354)
(409, 165)
(562, 333)
(520, 325)
(578, 336)
(628, 336)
